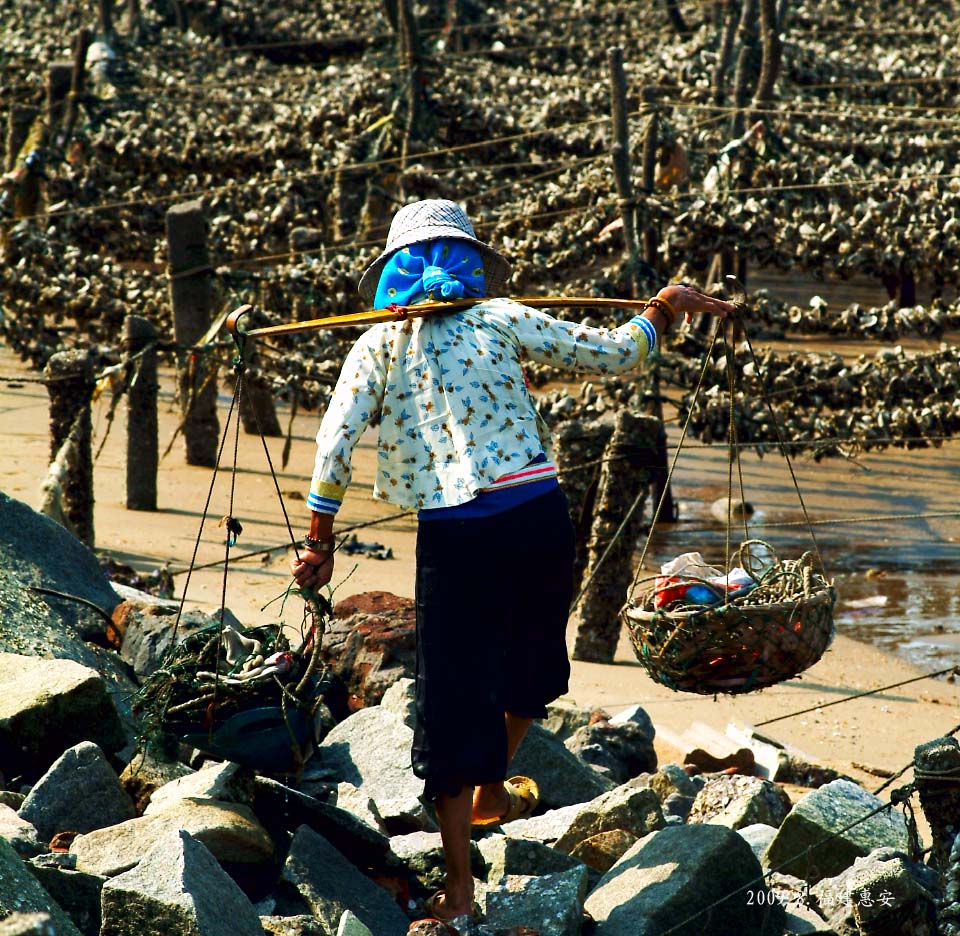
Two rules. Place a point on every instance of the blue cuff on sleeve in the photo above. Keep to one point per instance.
(646, 326)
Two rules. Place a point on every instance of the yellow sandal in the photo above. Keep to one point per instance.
(523, 796)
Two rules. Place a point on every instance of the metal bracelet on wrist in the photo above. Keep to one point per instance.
(318, 545)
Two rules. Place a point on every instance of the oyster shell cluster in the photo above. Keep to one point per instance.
(289, 123)
(824, 403)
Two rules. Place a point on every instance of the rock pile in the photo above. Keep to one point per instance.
(98, 836)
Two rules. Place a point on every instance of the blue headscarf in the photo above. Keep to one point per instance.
(446, 268)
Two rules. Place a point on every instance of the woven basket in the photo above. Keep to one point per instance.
(731, 648)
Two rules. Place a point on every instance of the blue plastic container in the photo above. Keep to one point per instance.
(258, 738)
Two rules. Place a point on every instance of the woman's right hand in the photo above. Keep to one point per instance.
(687, 301)
(313, 569)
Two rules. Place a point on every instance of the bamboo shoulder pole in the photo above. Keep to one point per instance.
(399, 313)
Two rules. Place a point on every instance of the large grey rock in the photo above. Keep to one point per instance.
(146, 773)
(230, 831)
(563, 778)
(330, 885)
(564, 718)
(75, 892)
(737, 801)
(670, 779)
(758, 836)
(47, 706)
(401, 700)
(301, 924)
(885, 892)
(36, 553)
(551, 904)
(178, 888)
(79, 793)
(226, 782)
(283, 810)
(676, 808)
(352, 925)
(546, 828)
(28, 924)
(20, 833)
(422, 853)
(827, 811)
(670, 878)
(636, 715)
(603, 850)
(355, 801)
(620, 751)
(634, 809)
(20, 893)
(371, 750)
(37, 558)
(505, 856)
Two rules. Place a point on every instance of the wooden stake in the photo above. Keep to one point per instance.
(580, 446)
(624, 477)
(651, 236)
(142, 432)
(19, 121)
(77, 84)
(620, 151)
(725, 52)
(257, 410)
(415, 131)
(772, 45)
(677, 20)
(70, 383)
(455, 41)
(59, 79)
(192, 296)
(134, 20)
(747, 64)
(105, 9)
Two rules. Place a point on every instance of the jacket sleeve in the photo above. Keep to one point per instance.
(356, 401)
(573, 346)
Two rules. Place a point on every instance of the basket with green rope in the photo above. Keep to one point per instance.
(771, 633)
(195, 697)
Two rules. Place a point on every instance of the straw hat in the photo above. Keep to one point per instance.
(428, 220)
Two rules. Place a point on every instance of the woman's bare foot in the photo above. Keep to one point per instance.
(445, 906)
(490, 801)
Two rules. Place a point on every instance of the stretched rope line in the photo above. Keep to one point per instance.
(860, 695)
(828, 440)
(285, 545)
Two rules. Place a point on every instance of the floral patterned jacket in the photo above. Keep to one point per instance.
(453, 406)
